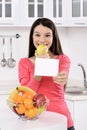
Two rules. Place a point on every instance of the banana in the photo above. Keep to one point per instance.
(24, 89)
(13, 93)
(11, 96)
(11, 103)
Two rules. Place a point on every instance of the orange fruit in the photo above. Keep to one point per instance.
(20, 109)
(18, 99)
(29, 94)
(28, 103)
(31, 113)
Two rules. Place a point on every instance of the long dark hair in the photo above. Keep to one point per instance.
(56, 48)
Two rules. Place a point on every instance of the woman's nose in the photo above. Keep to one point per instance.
(42, 39)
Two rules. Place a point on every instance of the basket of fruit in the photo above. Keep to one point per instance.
(26, 103)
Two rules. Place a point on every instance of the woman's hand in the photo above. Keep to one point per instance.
(61, 78)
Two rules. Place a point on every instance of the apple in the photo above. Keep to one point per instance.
(39, 100)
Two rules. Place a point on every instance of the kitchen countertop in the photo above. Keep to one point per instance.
(72, 97)
(46, 121)
(7, 90)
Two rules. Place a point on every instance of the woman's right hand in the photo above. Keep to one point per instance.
(61, 78)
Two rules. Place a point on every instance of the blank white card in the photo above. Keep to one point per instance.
(46, 67)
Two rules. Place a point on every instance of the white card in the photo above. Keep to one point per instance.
(46, 67)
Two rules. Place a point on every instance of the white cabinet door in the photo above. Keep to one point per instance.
(32, 9)
(78, 111)
(58, 12)
(10, 12)
(77, 12)
(80, 115)
(6, 11)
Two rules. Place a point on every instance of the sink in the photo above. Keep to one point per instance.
(76, 90)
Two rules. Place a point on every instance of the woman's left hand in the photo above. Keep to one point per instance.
(61, 78)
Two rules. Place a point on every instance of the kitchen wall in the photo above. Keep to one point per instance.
(74, 43)
(19, 49)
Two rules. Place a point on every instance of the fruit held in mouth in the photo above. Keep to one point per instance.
(42, 49)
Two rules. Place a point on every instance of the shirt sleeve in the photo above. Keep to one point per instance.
(25, 74)
(64, 63)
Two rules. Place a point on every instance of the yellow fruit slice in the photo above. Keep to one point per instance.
(41, 48)
(12, 94)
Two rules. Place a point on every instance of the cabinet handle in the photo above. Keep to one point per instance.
(58, 23)
(80, 23)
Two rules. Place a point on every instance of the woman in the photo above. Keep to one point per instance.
(43, 32)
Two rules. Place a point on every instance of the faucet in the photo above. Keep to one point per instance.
(84, 74)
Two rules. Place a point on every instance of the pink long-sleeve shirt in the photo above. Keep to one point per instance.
(54, 92)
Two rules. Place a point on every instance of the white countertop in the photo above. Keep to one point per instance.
(75, 97)
(7, 90)
(46, 121)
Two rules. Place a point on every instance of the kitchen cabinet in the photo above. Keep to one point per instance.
(9, 12)
(54, 9)
(32, 10)
(63, 12)
(57, 11)
(24, 12)
(78, 109)
(6, 11)
(77, 12)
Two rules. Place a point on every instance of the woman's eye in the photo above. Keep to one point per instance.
(48, 36)
(37, 35)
